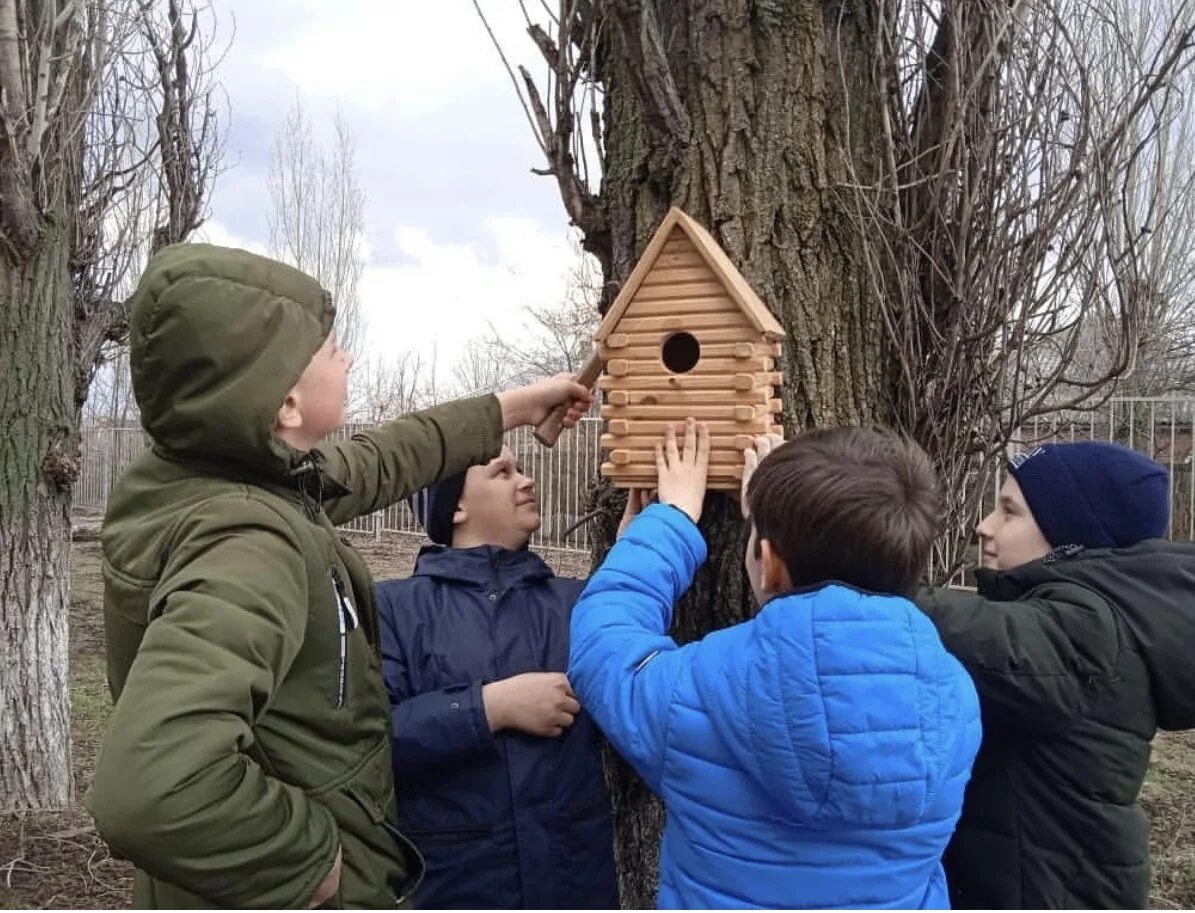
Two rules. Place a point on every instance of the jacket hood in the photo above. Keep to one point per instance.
(1152, 586)
(218, 337)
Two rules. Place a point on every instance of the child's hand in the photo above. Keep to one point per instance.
(327, 888)
(682, 474)
(531, 404)
(764, 444)
(538, 703)
(637, 499)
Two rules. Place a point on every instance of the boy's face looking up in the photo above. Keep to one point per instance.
(1009, 535)
(314, 408)
(497, 506)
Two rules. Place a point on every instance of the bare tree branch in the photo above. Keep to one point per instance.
(317, 215)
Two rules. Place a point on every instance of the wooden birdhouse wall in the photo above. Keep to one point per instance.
(684, 345)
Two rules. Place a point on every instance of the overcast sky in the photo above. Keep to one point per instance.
(459, 229)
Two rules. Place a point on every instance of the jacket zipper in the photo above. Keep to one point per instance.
(347, 621)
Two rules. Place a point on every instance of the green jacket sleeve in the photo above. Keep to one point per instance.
(1036, 663)
(175, 789)
(385, 464)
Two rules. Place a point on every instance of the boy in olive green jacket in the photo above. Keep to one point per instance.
(247, 762)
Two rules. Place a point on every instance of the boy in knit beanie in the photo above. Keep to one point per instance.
(1078, 640)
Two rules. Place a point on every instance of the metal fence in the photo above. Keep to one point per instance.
(563, 478)
(564, 475)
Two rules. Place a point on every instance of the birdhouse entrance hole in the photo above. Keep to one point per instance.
(681, 352)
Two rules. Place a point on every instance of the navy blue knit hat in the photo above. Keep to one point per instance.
(1094, 494)
(435, 505)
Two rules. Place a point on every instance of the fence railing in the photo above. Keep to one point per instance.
(563, 478)
(565, 474)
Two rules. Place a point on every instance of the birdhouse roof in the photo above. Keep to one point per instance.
(732, 280)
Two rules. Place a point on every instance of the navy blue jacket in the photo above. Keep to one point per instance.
(504, 820)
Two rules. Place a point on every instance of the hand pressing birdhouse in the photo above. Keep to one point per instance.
(686, 337)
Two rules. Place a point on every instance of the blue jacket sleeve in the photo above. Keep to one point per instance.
(433, 729)
(623, 666)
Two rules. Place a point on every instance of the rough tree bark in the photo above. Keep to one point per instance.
(39, 416)
(739, 123)
(107, 147)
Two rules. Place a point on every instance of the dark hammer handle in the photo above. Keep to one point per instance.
(548, 431)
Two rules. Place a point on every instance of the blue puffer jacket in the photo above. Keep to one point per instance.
(507, 820)
(814, 756)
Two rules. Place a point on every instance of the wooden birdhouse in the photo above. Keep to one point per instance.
(686, 336)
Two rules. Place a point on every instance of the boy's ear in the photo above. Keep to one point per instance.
(773, 573)
(289, 415)
(459, 516)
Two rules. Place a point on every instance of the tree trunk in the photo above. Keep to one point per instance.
(38, 463)
(733, 110)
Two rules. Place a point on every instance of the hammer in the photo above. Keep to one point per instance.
(548, 431)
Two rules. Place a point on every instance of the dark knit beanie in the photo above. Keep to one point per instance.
(435, 505)
(1094, 494)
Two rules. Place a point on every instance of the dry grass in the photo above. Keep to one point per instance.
(54, 859)
(1169, 797)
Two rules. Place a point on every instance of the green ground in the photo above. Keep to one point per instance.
(55, 859)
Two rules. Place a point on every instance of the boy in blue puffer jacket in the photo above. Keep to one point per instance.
(815, 755)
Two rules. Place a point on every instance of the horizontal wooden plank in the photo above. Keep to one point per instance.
(743, 381)
(704, 336)
(632, 457)
(620, 427)
(679, 412)
(709, 304)
(741, 349)
(687, 322)
(725, 442)
(681, 257)
(678, 242)
(760, 396)
(722, 471)
(679, 290)
(638, 367)
(730, 486)
(677, 275)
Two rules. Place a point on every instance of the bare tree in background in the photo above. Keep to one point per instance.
(110, 400)
(555, 337)
(108, 146)
(924, 192)
(1159, 192)
(385, 388)
(1005, 220)
(479, 369)
(317, 214)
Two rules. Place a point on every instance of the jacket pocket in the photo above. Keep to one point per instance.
(386, 867)
(467, 867)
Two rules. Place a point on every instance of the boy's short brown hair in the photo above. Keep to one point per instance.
(858, 506)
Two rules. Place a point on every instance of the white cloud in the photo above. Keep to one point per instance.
(406, 57)
(443, 154)
(449, 293)
(213, 231)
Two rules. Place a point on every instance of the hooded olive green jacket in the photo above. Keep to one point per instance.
(251, 734)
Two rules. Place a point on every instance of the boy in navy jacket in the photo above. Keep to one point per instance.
(498, 769)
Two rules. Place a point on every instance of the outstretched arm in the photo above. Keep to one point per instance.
(622, 663)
